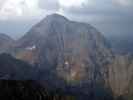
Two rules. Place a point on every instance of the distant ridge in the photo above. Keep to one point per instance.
(5, 42)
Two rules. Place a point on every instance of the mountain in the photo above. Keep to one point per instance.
(13, 69)
(71, 52)
(76, 58)
(5, 42)
(74, 50)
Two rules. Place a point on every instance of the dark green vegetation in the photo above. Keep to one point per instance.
(28, 90)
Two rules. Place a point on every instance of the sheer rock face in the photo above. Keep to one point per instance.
(75, 52)
(5, 42)
(120, 75)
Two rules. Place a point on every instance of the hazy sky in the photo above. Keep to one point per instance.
(109, 16)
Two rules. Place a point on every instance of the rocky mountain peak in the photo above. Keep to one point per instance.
(55, 17)
(74, 51)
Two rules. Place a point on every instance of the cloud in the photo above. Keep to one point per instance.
(97, 6)
(19, 8)
(104, 14)
(49, 4)
(71, 3)
(99, 10)
(124, 2)
(2, 2)
(27, 9)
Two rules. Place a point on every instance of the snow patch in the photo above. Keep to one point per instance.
(66, 63)
(31, 47)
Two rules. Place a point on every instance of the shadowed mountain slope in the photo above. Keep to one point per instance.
(13, 69)
(5, 42)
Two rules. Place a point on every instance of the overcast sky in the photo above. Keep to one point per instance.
(108, 16)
